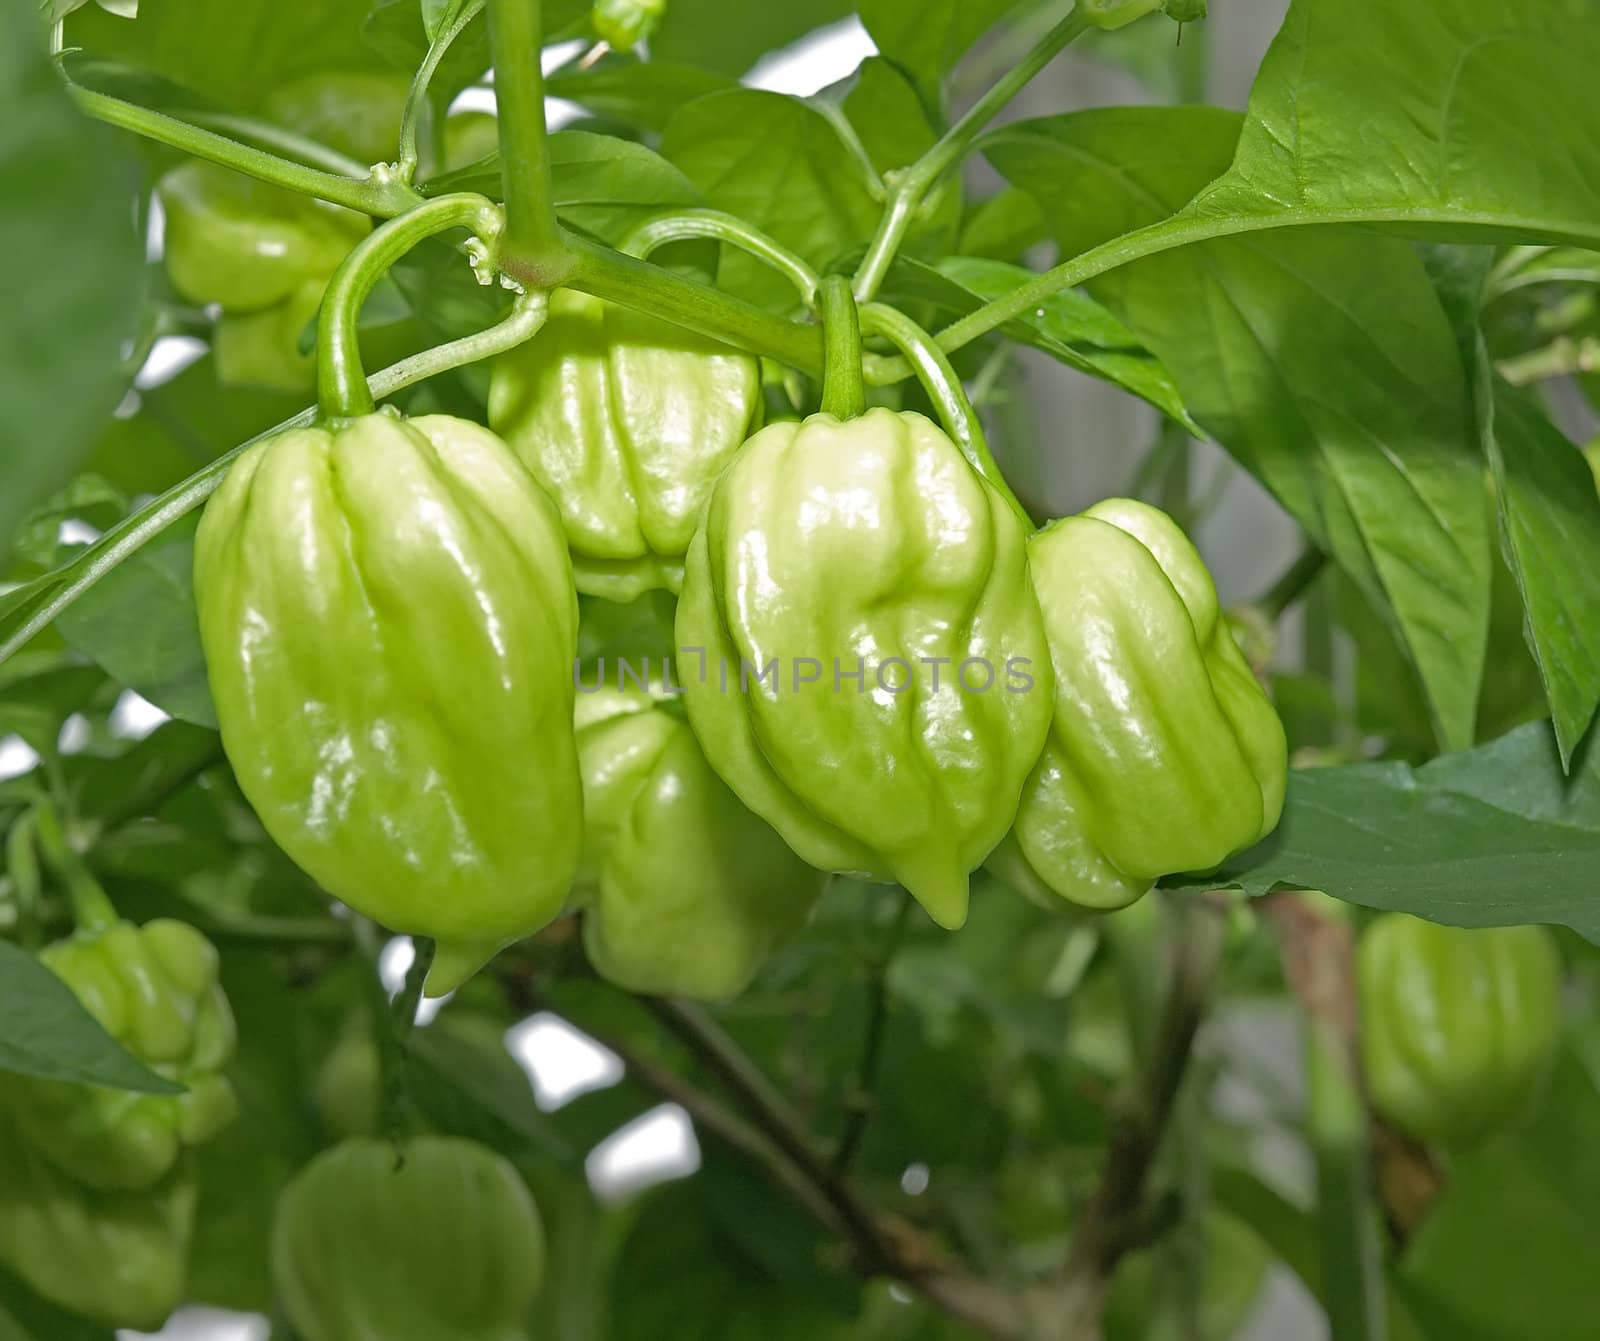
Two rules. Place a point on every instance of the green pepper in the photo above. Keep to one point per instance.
(154, 989)
(627, 422)
(1458, 1027)
(119, 1258)
(686, 892)
(389, 626)
(438, 1241)
(1164, 753)
(243, 244)
(357, 112)
(873, 677)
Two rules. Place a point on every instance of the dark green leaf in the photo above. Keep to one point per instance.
(48, 1033)
(1495, 836)
(1322, 359)
(140, 625)
(730, 38)
(26, 1317)
(1550, 514)
(782, 166)
(928, 37)
(641, 93)
(70, 288)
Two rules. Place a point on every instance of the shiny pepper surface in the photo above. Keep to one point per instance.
(627, 422)
(686, 891)
(440, 1243)
(118, 1258)
(1164, 754)
(875, 681)
(1458, 1027)
(246, 245)
(389, 627)
(154, 989)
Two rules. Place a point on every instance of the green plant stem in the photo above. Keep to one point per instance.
(1318, 960)
(729, 229)
(417, 98)
(280, 140)
(532, 233)
(91, 909)
(394, 1032)
(342, 391)
(1293, 584)
(843, 393)
(861, 1099)
(944, 389)
(647, 288)
(1116, 1218)
(908, 188)
(127, 537)
(380, 194)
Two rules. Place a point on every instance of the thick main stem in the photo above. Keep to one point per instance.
(843, 392)
(516, 40)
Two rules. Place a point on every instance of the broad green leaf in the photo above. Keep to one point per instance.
(1004, 226)
(1550, 515)
(1073, 327)
(70, 287)
(1402, 114)
(641, 93)
(927, 37)
(782, 166)
(48, 1032)
(232, 52)
(729, 38)
(1495, 836)
(1320, 358)
(1508, 1251)
(140, 626)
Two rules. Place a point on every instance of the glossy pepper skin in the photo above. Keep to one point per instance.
(154, 989)
(389, 627)
(685, 891)
(118, 1258)
(244, 244)
(444, 1246)
(627, 422)
(1164, 754)
(842, 546)
(1458, 1027)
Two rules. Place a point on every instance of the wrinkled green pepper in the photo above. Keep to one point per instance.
(119, 1258)
(246, 245)
(389, 627)
(1458, 1027)
(1164, 754)
(440, 1241)
(154, 989)
(685, 892)
(873, 675)
(627, 422)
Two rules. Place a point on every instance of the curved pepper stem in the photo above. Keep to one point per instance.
(943, 385)
(843, 390)
(91, 909)
(726, 228)
(342, 391)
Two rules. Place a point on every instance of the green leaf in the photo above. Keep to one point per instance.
(1550, 515)
(1508, 1251)
(641, 93)
(70, 288)
(781, 165)
(232, 52)
(1073, 327)
(729, 38)
(26, 1317)
(48, 1032)
(400, 32)
(1495, 836)
(1365, 110)
(1321, 359)
(928, 37)
(141, 627)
